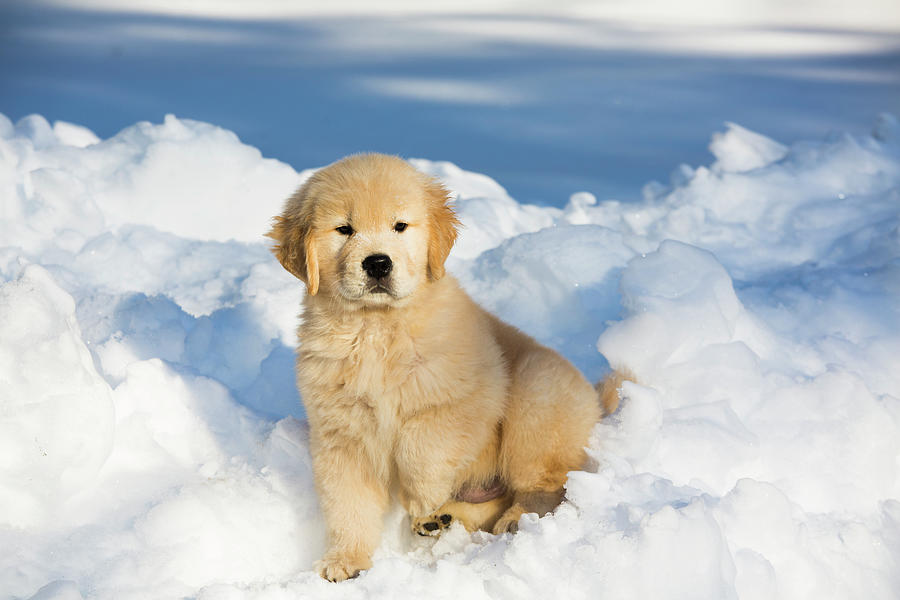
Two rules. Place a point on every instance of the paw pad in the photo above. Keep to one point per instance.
(433, 524)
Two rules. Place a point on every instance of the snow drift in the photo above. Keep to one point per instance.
(152, 443)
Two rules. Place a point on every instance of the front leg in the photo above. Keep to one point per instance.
(353, 501)
(433, 447)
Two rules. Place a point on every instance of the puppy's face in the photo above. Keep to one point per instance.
(368, 230)
(372, 241)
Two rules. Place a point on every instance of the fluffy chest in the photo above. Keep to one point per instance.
(375, 362)
(379, 364)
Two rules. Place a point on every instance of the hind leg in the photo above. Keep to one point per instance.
(472, 516)
(540, 503)
(545, 430)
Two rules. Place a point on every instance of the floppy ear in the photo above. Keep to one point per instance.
(442, 228)
(296, 250)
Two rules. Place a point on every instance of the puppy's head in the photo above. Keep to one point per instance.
(367, 230)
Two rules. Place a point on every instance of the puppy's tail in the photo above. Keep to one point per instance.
(609, 389)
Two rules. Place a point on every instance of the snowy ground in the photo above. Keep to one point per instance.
(152, 442)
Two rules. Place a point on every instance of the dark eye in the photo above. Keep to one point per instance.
(399, 227)
(345, 230)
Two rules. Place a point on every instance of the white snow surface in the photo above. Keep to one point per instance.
(152, 443)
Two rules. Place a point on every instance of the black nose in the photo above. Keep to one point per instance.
(377, 265)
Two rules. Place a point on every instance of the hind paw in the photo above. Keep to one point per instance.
(433, 524)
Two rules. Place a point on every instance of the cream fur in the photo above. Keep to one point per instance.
(416, 392)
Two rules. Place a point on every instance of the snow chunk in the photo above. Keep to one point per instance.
(738, 150)
(576, 211)
(71, 134)
(36, 129)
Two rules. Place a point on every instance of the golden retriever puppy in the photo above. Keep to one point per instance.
(410, 388)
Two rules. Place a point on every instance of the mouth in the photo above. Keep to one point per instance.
(375, 292)
(378, 289)
(371, 292)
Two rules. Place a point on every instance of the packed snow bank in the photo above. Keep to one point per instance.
(51, 396)
(152, 442)
(225, 189)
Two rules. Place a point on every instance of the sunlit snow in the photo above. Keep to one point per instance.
(152, 442)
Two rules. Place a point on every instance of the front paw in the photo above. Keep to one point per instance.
(337, 566)
(432, 525)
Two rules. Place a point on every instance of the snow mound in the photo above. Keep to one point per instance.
(223, 188)
(51, 395)
(151, 437)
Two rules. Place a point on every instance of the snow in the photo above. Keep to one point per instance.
(739, 149)
(152, 443)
